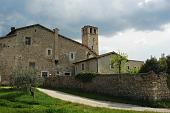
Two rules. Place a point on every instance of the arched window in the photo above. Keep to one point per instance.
(90, 30)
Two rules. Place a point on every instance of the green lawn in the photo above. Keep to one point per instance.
(14, 101)
(154, 104)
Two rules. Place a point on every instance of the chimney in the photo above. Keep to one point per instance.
(12, 28)
(56, 30)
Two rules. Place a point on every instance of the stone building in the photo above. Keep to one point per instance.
(49, 52)
(102, 64)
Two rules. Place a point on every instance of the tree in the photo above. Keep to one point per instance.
(25, 79)
(150, 65)
(168, 64)
(118, 62)
(162, 64)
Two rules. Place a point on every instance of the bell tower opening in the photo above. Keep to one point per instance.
(90, 38)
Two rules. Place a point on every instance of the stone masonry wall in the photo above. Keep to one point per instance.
(143, 86)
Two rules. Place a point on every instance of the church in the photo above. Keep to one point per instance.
(52, 54)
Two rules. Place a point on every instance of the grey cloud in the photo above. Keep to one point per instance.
(111, 16)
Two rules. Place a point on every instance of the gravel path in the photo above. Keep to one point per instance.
(97, 103)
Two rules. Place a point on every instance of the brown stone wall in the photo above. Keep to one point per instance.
(14, 53)
(7, 57)
(67, 46)
(41, 40)
(90, 66)
(143, 86)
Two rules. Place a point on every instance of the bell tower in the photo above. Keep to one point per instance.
(90, 38)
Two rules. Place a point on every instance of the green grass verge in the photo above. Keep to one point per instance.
(15, 101)
(154, 104)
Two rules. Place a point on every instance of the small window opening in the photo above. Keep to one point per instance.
(67, 74)
(49, 52)
(32, 65)
(27, 40)
(82, 66)
(90, 30)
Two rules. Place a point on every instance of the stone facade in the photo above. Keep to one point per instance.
(143, 86)
(51, 53)
(90, 38)
(45, 50)
(102, 65)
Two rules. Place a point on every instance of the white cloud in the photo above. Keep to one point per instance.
(138, 44)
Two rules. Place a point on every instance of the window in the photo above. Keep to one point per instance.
(67, 73)
(90, 30)
(72, 56)
(49, 52)
(44, 74)
(82, 66)
(27, 40)
(32, 65)
(94, 31)
(58, 72)
(128, 67)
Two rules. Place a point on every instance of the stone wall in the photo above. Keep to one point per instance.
(143, 86)
(66, 47)
(14, 53)
(7, 57)
(102, 65)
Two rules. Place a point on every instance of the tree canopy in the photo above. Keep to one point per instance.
(152, 64)
(118, 62)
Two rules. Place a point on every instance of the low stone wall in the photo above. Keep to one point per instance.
(143, 86)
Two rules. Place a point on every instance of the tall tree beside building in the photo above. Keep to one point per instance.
(151, 64)
(162, 64)
(118, 62)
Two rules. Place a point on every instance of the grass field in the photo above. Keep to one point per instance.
(15, 101)
(154, 104)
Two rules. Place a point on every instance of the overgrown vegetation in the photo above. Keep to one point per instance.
(15, 101)
(85, 77)
(161, 65)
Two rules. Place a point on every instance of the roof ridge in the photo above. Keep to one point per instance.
(33, 25)
(78, 43)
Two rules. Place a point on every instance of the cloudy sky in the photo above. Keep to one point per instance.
(140, 28)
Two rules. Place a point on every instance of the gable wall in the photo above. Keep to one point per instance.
(41, 40)
(65, 47)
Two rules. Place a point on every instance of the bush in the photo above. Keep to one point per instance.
(85, 77)
(133, 71)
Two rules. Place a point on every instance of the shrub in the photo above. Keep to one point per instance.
(133, 71)
(85, 77)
